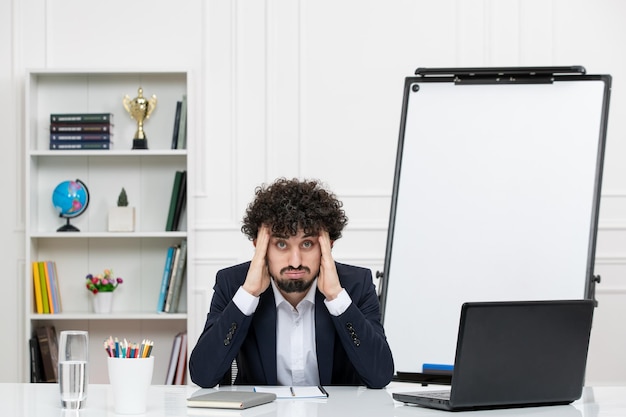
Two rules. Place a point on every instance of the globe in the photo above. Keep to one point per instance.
(70, 199)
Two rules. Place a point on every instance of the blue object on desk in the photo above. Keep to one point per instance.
(428, 368)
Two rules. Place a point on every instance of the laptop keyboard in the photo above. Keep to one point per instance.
(438, 395)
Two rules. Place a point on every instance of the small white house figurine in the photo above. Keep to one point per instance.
(122, 217)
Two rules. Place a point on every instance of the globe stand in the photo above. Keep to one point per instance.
(67, 227)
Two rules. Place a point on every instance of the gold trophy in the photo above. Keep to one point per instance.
(140, 109)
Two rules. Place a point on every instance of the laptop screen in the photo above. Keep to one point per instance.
(521, 352)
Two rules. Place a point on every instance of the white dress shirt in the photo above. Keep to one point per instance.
(296, 359)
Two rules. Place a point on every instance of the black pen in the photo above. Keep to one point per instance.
(323, 390)
(293, 394)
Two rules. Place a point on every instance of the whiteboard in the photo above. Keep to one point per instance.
(496, 197)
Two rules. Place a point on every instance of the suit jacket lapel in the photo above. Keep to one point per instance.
(265, 318)
(324, 339)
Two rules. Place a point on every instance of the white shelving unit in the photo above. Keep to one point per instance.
(147, 175)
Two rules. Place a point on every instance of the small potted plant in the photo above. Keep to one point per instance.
(102, 287)
(122, 217)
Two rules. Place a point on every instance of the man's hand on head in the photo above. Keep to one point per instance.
(258, 277)
(328, 280)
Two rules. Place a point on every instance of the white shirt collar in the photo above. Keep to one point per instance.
(310, 295)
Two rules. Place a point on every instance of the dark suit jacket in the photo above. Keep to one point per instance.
(351, 349)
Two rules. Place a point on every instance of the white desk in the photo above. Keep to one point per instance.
(42, 400)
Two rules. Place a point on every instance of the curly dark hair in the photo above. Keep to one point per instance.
(289, 205)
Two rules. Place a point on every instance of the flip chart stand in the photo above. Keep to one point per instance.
(496, 196)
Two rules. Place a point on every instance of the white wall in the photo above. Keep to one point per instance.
(309, 89)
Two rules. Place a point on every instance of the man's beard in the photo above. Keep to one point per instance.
(294, 285)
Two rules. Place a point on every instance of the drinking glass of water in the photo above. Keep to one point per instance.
(73, 374)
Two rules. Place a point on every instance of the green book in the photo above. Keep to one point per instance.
(44, 287)
(181, 199)
(81, 117)
(169, 226)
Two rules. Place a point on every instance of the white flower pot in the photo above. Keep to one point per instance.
(103, 302)
(122, 219)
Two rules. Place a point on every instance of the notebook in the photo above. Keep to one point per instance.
(230, 399)
(515, 354)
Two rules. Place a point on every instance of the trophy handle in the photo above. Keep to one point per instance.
(126, 101)
(151, 105)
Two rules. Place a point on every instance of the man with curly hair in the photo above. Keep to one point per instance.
(292, 315)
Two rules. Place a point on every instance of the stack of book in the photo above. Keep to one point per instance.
(46, 287)
(173, 277)
(177, 369)
(44, 354)
(78, 131)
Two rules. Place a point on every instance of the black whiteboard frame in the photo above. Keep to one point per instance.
(506, 75)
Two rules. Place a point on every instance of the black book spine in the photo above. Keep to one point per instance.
(181, 199)
(36, 365)
(176, 125)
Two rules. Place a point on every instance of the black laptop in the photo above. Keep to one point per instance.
(515, 354)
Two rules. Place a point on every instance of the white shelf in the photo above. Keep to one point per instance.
(111, 153)
(110, 316)
(146, 175)
(107, 235)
